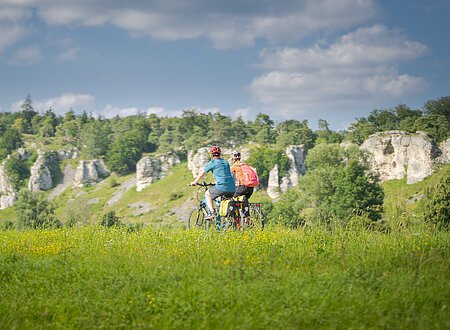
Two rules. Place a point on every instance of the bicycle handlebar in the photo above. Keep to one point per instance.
(204, 184)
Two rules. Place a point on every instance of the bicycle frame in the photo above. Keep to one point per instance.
(197, 217)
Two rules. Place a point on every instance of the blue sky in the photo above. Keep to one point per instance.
(294, 59)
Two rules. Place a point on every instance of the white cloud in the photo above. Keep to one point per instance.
(12, 25)
(360, 66)
(70, 54)
(61, 104)
(245, 113)
(237, 23)
(26, 55)
(111, 111)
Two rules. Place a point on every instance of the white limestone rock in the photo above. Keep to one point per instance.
(8, 194)
(89, 172)
(40, 175)
(151, 169)
(396, 154)
(273, 184)
(445, 152)
(297, 156)
(197, 160)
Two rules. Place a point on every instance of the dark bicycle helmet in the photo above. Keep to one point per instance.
(215, 151)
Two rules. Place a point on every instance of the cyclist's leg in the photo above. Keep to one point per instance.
(249, 192)
(209, 201)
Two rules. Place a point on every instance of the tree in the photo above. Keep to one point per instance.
(239, 132)
(35, 211)
(264, 158)
(47, 126)
(435, 125)
(291, 132)
(361, 130)
(220, 130)
(438, 206)
(337, 185)
(96, 138)
(27, 113)
(383, 120)
(289, 208)
(11, 140)
(17, 170)
(125, 151)
(356, 193)
(439, 107)
(325, 135)
(262, 129)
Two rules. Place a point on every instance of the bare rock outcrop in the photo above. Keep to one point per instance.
(273, 185)
(197, 160)
(445, 152)
(8, 194)
(151, 169)
(396, 154)
(40, 174)
(89, 172)
(296, 155)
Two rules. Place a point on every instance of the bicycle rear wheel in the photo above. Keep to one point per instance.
(196, 219)
(256, 219)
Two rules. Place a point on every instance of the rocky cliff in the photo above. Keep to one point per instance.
(40, 174)
(151, 169)
(398, 154)
(297, 156)
(8, 194)
(197, 160)
(90, 172)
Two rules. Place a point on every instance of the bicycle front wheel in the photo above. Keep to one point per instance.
(196, 219)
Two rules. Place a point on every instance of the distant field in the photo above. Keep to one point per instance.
(91, 277)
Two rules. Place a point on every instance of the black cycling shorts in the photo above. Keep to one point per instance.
(214, 192)
(243, 190)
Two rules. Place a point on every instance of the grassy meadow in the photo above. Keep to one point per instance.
(311, 278)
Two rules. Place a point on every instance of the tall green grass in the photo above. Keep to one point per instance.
(91, 277)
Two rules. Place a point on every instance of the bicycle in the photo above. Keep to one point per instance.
(236, 219)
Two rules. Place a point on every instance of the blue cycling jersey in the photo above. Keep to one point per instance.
(222, 174)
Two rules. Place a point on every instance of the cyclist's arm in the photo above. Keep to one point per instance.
(198, 178)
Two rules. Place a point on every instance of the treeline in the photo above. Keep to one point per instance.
(122, 141)
(434, 119)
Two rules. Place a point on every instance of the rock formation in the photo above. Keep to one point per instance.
(40, 174)
(42, 171)
(8, 194)
(198, 160)
(445, 152)
(90, 172)
(151, 169)
(273, 185)
(396, 154)
(296, 155)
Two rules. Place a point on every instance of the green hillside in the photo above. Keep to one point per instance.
(168, 201)
(405, 204)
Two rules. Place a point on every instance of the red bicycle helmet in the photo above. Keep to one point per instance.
(215, 151)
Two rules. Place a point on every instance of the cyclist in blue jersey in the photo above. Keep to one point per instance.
(222, 175)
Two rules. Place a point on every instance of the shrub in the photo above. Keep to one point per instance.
(110, 219)
(35, 211)
(438, 207)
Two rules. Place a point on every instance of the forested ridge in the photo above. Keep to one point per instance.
(335, 188)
